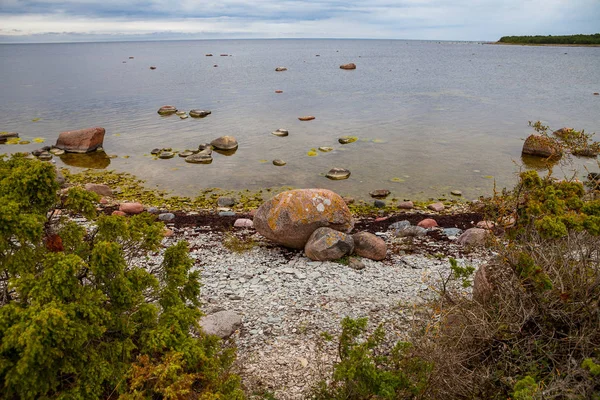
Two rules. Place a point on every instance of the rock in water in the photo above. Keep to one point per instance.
(199, 158)
(199, 113)
(541, 146)
(222, 324)
(4, 136)
(348, 66)
(379, 193)
(280, 69)
(81, 141)
(279, 163)
(306, 118)
(281, 132)
(225, 143)
(167, 110)
(369, 246)
(292, 216)
(326, 244)
(337, 174)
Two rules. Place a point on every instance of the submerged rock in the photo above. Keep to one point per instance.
(166, 155)
(325, 149)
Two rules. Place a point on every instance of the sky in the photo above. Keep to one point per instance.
(108, 20)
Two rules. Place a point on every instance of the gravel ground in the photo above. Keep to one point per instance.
(286, 301)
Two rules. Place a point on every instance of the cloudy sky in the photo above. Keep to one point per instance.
(90, 20)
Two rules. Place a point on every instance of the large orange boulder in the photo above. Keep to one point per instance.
(81, 141)
(292, 216)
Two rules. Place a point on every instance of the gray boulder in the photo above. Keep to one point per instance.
(326, 244)
(222, 324)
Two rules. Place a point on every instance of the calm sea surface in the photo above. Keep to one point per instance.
(430, 116)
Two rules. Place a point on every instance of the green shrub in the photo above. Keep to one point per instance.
(79, 319)
(367, 370)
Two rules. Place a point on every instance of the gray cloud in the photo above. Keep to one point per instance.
(24, 20)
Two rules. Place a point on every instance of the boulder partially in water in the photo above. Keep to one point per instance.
(200, 158)
(306, 118)
(542, 146)
(167, 110)
(81, 141)
(348, 66)
(225, 143)
(199, 113)
(291, 217)
(337, 174)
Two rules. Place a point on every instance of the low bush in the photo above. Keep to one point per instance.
(79, 319)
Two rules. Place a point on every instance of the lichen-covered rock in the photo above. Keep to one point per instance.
(292, 216)
(81, 141)
(541, 146)
(326, 244)
(369, 246)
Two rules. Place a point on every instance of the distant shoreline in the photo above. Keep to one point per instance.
(544, 44)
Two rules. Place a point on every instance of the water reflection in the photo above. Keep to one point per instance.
(96, 160)
(226, 152)
(538, 163)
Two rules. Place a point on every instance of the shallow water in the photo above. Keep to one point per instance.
(430, 116)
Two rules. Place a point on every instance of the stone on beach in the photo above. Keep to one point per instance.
(369, 246)
(326, 244)
(225, 143)
(81, 141)
(437, 207)
(474, 237)
(428, 223)
(131, 208)
(222, 324)
(291, 217)
(102, 190)
(406, 205)
(243, 223)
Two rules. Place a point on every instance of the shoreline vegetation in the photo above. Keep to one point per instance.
(549, 40)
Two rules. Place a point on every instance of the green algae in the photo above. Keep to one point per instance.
(397, 180)
(312, 153)
(39, 140)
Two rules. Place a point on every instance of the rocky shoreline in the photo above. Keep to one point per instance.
(273, 303)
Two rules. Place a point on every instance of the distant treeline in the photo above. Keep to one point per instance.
(569, 39)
